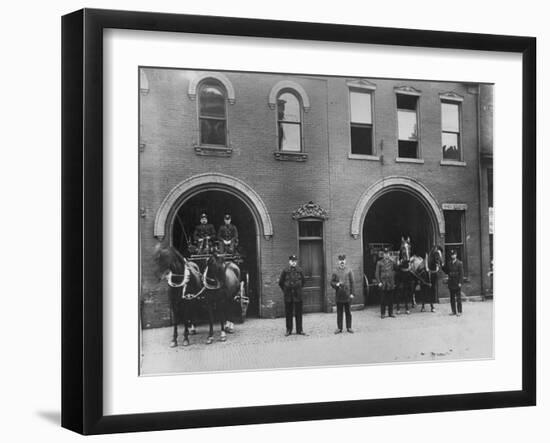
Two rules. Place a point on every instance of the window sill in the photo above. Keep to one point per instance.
(290, 156)
(452, 163)
(373, 158)
(419, 161)
(213, 151)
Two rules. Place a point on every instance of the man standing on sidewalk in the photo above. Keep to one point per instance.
(342, 282)
(291, 282)
(385, 276)
(455, 271)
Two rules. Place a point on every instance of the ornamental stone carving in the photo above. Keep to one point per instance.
(408, 90)
(451, 96)
(310, 209)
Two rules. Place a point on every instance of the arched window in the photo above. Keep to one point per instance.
(289, 120)
(212, 113)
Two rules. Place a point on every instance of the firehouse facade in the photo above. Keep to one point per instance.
(313, 166)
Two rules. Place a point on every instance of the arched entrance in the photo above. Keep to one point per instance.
(216, 204)
(391, 216)
(392, 208)
(217, 194)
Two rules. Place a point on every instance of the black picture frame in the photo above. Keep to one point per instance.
(82, 216)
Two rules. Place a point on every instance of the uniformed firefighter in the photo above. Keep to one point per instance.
(455, 270)
(204, 235)
(342, 282)
(385, 276)
(228, 236)
(291, 282)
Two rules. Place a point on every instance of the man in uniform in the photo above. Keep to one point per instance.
(204, 235)
(455, 271)
(385, 276)
(342, 282)
(228, 236)
(291, 282)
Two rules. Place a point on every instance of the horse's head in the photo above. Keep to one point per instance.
(435, 259)
(214, 272)
(405, 249)
(165, 259)
(168, 261)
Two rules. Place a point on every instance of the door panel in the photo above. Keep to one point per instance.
(311, 260)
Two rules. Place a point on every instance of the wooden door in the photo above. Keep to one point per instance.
(312, 262)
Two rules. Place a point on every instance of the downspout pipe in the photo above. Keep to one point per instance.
(480, 190)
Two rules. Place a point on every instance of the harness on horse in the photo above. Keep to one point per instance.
(179, 285)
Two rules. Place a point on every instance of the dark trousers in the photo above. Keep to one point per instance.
(296, 308)
(386, 299)
(456, 300)
(340, 308)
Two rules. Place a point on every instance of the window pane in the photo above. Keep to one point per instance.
(310, 229)
(407, 149)
(289, 137)
(212, 101)
(407, 125)
(361, 140)
(288, 107)
(451, 150)
(406, 101)
(360, 107)
(449, 117)
(212, 132)
(453, 226)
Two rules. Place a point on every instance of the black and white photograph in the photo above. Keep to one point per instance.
(275, 222)
(300, 220)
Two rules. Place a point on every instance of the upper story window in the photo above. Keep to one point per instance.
(212, 113)
(407, 123)
(289, 119)
(450, 131)
(361, 122)
(451, 139)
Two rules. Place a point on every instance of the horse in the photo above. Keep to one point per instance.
(222, 282)
(424, 274)
(184, 288)
(405, 280)
(434, 261)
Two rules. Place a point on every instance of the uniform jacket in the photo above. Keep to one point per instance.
(291, 282)
(385, 273)
(455, 271)
(202, 231)
(228, 232)
(345, 277)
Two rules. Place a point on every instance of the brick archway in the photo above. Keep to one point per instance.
(212, 181)
(393, 183)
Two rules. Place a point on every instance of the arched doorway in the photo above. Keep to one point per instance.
(392, 215)
(216, 203)
(393, 207)
(216, 193)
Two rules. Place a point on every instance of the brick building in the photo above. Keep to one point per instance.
(316, 166)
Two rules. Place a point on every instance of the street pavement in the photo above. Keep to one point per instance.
(261, 344)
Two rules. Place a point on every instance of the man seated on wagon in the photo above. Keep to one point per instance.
(204, 235)
(228, 236)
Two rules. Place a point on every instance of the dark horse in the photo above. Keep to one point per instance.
(428, 276)
(414, 272)
(184, 288)
(222, 283)
(405, 280)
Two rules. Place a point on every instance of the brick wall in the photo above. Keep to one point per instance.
(328, 177)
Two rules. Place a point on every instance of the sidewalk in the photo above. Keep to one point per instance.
(261, 344)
